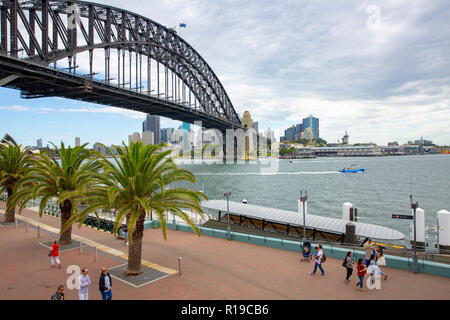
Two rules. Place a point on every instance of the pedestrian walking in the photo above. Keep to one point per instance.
(318, 254)
(381, 261)
(348, 264)
(105, 284)
(361, 273)
(59, 294)
(84, 282)
(54, 254)
(125, 233)
(369, 247)
(372, 267)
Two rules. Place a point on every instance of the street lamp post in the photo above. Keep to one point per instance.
(414, 206)
(303, 199)
(227, 194)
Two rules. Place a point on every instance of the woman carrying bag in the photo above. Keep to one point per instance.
(348, 264)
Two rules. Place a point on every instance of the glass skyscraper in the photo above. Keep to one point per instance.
(153, 123)
(313, 123)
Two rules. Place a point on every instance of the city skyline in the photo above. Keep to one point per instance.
(382, 81)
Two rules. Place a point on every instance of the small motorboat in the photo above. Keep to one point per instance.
(350, 169)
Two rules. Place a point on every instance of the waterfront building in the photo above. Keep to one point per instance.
(152, 123)
(148, 137)
(313, 123)
(417, 149)
(308, 134)
(39, 143)
(348, 151)
(345, 138)
(101, 149)
(77, 141)
(391, 150)
(423, 142)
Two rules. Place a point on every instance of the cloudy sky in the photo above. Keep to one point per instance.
(381, 69)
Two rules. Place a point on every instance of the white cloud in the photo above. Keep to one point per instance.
(86, 109)
(15, 108)
(284, 60)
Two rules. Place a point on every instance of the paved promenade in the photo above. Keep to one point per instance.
(211, 269)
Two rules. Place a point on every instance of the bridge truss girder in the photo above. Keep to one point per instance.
(95, 27)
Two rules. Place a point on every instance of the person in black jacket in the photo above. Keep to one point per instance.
(59, 294)
(105, 284)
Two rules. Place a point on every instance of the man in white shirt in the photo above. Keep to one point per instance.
(84, 282)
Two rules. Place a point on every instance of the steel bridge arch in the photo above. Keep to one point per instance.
(110, 28)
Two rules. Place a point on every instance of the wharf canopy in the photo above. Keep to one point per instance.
(291, 222)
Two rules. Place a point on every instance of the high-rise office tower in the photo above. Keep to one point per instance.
(289, 134)
(148, 137)
(313, 123)
(77, 141)
(153, 123)
(39, 143)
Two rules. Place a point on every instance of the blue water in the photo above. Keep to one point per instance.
(383, 189)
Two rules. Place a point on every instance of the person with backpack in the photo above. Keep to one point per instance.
(320, 258)
(348, 264)
(361, 273)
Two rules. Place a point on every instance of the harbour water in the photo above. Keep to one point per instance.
(382, 190)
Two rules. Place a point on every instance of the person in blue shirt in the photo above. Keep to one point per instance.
(318, 254)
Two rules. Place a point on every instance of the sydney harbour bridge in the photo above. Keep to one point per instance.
(109, 56)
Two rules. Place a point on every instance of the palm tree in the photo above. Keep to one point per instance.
(67, 180)
(135, 184)
(13, 165)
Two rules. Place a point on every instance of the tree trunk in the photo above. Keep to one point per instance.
(66, 236)
(135, 248)
(10, 214)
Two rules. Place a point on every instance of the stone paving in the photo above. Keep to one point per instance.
(212, 269)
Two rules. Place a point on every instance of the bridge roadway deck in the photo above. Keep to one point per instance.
(212, 269)
(35, 81)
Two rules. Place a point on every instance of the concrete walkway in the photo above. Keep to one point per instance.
(211, 269)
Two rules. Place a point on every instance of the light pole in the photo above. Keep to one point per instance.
(227, 194)
(303, 199)
(414, 206)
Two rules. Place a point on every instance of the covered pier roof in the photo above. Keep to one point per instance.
(293, 218)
